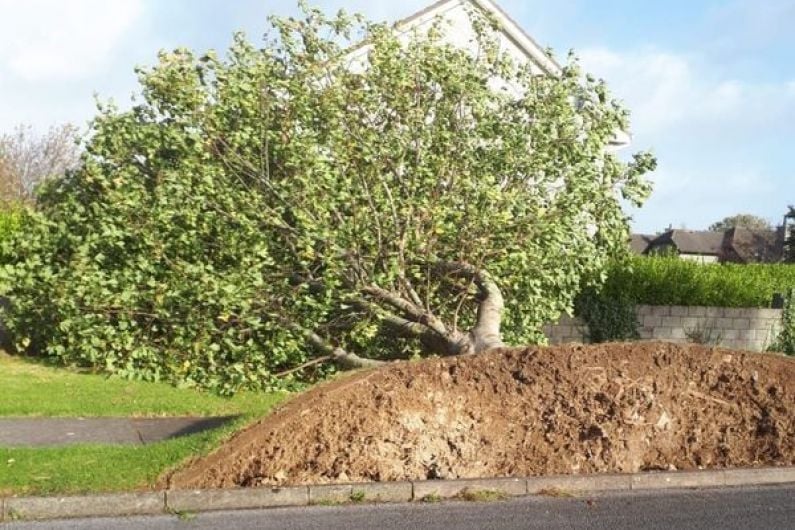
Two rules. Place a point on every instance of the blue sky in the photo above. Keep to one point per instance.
(711, 83)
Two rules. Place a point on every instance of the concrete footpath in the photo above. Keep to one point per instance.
(764, 507)
(562, 486)
(42, 432)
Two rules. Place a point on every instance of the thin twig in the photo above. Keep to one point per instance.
(313, 362)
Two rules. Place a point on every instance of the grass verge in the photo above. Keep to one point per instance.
(29, 388)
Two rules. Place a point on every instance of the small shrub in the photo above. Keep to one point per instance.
(704, 334)
(785, 342)
(608, 318)
(10, 224)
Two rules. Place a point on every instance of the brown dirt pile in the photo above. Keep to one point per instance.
(520, 412)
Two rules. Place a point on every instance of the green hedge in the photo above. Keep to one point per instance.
(672, 281)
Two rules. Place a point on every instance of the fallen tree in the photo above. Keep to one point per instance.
(278, 210)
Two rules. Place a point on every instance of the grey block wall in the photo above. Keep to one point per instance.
(738, 328)
(566, 329)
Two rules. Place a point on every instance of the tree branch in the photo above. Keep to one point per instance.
(318, 360)
(432, 341)
(405, 327)
(409, 309)
(338, 355)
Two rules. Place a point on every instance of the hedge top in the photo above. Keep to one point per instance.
(672, 281)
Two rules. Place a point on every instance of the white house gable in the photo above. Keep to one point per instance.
(458, 31)
(513, 39)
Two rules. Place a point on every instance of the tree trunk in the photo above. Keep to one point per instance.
(485, 334)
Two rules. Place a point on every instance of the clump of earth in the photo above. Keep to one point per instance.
(570, 409)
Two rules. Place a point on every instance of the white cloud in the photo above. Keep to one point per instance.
(656, 85)
(694, 198)
(715, 138)
(43, 40)
(666, 91)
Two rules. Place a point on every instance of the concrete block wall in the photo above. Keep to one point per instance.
(738, 328)
(566, 329)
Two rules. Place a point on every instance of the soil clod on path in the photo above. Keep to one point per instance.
(522, 412)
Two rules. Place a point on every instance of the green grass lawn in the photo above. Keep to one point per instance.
(29, 388)
(33, 389)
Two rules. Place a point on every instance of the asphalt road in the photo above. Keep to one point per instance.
(737, 508)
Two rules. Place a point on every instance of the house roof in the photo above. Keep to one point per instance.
(701, 242)
(736, 244)
(754, 245)
(638, 243)
(509, 28)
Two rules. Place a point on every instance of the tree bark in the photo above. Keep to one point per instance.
(486, 332)
(417, 322)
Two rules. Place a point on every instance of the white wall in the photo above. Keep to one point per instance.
(699, 258)
(458, 31)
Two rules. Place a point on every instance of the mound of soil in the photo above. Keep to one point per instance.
(522, 412)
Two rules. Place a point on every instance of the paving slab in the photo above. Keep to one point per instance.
(453, 488)
(26, 508)
(678, 479)
(767, 475)
(330, 493)
(236, 499)
(383, 491)
(44, 432)
(578, 483)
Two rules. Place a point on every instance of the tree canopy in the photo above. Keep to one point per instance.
(741, 220)
(259, 218)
